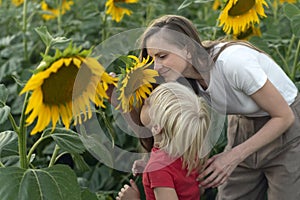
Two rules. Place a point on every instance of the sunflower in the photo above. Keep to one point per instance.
(250, 32)
(116, 11)
(135, 83)
(276, 2)
(64, 87)
(217, 4)
(287, 1)
(54, 12)
(17, 2)
(239, 15)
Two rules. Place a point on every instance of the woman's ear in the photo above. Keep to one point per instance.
(187, 53)
(156, 129)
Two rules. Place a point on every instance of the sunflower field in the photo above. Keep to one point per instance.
(60, 138)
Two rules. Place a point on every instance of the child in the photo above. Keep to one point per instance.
(179, 121)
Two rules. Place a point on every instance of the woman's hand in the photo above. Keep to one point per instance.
(218, 168)
(129, 192)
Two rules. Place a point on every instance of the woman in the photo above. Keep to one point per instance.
(245, 83)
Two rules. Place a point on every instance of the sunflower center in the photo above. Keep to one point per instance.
(58, 87)
(241, 7)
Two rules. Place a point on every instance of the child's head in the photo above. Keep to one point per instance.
(181, 119)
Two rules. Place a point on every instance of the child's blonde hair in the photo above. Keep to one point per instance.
(184, 118)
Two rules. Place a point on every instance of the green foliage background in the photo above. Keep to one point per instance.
(87, 25)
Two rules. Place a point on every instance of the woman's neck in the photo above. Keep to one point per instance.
(202, 79)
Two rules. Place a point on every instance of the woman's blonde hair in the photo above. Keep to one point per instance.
(184, 118)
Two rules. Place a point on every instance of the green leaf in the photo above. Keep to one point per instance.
(58, 182)
(105, 195)
(295, 23)
(45, 35)
(87, 195)
(128, 61)
(4, 112)
(67, 140)
(298, 85)
(95, 144)
(80, 163)
(8, 142)
(291, 10)
(185, 4)
(60, 40)
(3, 94)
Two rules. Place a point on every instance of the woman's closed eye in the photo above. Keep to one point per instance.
(160, 56)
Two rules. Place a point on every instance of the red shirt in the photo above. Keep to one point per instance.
(164, 171)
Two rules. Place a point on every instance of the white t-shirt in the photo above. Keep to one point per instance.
(239, 72)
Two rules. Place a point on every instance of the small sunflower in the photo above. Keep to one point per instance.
(287, 1)
(250, 32)
(239, 15)
(116, 11)
(56, 94)
(17, 2)
(276, 2)
(217, 4)
(54, 12)
(135, 83)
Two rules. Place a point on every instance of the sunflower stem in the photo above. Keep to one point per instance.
(13, 123)
(104, 32)
(275, 10)
(294, 67)
(287, 56)
(215, 30)
(285, 64)
(149, 13)
(108, 126)
(22, 134)
(60, 155)
(59, 15)
(54, 155)
(24, 29)
(47, 49)
(34, 146)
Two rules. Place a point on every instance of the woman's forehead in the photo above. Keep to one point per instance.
(154, 51)
(156, 45)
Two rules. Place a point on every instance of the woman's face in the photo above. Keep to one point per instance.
(170, 61)
(144, 115)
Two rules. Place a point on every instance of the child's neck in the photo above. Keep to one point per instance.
(157, 140)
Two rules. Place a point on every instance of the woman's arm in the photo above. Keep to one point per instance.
(282, 117)
(269, 99)
(165, 193)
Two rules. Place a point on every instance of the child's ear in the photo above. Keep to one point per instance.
(156, 129)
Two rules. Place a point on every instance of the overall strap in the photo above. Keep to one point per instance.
(215, 57)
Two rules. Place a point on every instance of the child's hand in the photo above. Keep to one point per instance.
(129, 192)
(138, 166)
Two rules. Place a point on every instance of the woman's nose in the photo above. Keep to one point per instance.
(157, 65)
